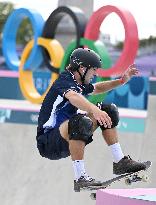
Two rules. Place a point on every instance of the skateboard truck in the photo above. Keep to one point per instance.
(135, 178)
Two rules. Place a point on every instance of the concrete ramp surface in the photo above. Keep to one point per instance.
(28, 179)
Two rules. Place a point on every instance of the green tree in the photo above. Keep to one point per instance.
(25, 32)
(5, 10)
(142, 43)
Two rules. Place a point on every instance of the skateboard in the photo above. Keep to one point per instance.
(128, 178)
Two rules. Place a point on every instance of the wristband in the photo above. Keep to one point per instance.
(121, 80)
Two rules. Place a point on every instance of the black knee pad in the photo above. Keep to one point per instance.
(80, 127)
(113, 113)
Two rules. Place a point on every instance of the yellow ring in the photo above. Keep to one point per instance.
(26, 83)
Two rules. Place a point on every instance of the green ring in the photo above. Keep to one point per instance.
(99, 48)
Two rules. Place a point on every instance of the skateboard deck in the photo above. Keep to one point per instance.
(128, 177)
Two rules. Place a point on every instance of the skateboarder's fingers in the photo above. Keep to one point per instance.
(107, 120)
(104, 121)
(100, 121)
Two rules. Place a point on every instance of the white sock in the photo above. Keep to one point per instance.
(116, 152)
(79, 169)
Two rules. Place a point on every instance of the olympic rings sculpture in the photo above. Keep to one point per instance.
(45, 47)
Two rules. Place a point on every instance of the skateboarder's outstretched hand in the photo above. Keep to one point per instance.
(131, 71)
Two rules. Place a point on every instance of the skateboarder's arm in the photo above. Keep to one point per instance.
(105, 86)
(80, 101)
(101, 87)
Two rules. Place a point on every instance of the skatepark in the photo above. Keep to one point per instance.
(27, 178)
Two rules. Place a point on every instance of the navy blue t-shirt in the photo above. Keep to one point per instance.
(56, 108)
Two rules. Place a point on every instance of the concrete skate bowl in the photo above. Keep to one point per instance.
(27, 178)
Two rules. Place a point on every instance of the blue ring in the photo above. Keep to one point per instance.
(9, 38)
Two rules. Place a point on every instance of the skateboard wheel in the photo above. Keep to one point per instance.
(145, 178)
(128, 181)
(93, 196)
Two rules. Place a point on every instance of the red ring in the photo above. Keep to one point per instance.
(131, 37)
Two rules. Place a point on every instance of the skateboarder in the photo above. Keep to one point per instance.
(67, 120)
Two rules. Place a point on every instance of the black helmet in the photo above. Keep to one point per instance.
(85, 57)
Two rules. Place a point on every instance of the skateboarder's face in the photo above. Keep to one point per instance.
(89, 75)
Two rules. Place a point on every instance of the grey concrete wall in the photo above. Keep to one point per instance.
(66, 30)
(28, 179)
(86, 6)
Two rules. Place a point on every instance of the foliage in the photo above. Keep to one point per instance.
(25, 31)
(142, 43)
(5, 10)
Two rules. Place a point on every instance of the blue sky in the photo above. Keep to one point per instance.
(143, 12)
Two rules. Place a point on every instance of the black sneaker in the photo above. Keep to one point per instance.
(127, 165)
(85, 182)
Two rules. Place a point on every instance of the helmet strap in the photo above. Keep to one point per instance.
(84, 75)
(81, 76)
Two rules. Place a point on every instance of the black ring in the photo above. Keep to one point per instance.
(53, 20)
